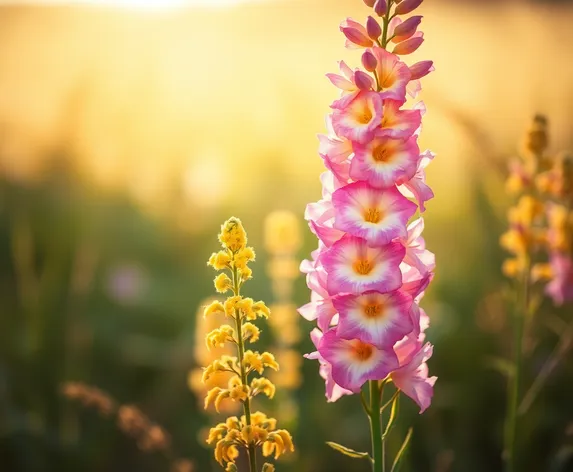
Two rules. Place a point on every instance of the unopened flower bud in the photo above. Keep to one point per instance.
(408, 46)
(406, 29)
(421, 69)
(362, 80)
(407, 6)
(373, 28)
(356, 37)
(381, 7)
(369, 3)
(369, 61)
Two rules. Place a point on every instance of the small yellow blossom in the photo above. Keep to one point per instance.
(218, 337)
(268, 467)
(263, 385)
(243, 257)
(220, 260)
(262, 310)
(223, 283)
(214, 308)
(251, 332)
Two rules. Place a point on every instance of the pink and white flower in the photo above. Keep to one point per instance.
(376, 318)
(396, 123)
(359, 119)
(384, 162)
(333, 390)
(393, 75)
(355, 362)
(379, 216)
(560, 289)
(352, 266)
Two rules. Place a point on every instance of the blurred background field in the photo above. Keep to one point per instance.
(129, 133)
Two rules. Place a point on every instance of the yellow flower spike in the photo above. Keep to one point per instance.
(268, 467)
(213, 309)
(223, 283)
(251, 332)
(263, 385)
(252, 430)
(261, 309)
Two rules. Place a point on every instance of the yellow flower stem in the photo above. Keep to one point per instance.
(241, 352)
(514, 387)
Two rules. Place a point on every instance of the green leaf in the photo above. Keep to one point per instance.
(348, 452)
(393, 414)
(402, 451)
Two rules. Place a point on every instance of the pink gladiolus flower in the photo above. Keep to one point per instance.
(560, 289)
(354, 267)
(417, 255)
(355, 362)
(416, 187)
(380, 319)
(333, 390)
(371, 268)
(384, 162)
(393, 75)
(366, 212)
(358, 119)
(398, 123)
(412, 378)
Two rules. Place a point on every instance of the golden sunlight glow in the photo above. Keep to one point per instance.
(166, 4)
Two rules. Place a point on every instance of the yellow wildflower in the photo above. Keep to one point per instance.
(223, 283)
(220, 260)
(256, 430)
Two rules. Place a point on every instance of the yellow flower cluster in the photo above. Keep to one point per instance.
(253, 430)
(543, 215)
(527, 231)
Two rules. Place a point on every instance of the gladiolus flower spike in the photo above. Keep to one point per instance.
(251, 430)
(371, 268)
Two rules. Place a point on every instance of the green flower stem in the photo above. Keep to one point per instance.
(376, 427)
(514, 387)
(244, 379)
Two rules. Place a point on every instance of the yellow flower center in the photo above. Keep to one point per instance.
(374, 310)
(362, 351)
(364, 116)
(363, 266)
(373, 215)
(382, 154)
